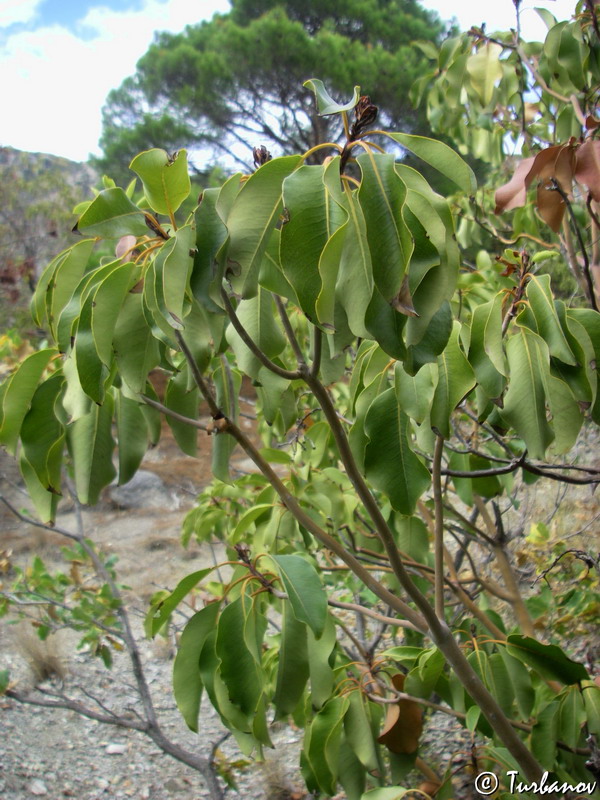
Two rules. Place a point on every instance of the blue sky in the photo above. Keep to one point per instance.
(60, 58)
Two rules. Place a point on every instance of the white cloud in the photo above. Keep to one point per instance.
(58, 83)
(22, 11)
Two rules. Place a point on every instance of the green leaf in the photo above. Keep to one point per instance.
(455, 380)
(186, 402)
(45, 502)
(501, 683)
(253, 216)
(486, 354)
(591, 700)
(112, 215)
(325, 103)
(227, 385)
(165, 178)
(354, 285)
(325, 738)
(91, 445)
(441, 157)
(258, 317)
(390, 463)
(304, 589)
(135, 348)
(415, 393)
(42, 435)
(547, 659)
(305, 233)
(319, 662)
(544, 736)
(187, 683)
(106, 302)
(293, 668)
(485, 70)
(238, 663)
(387, 793)
(382, 195)
(58, 282)
(571, 716)
(160, 613)
(172, 270)
(524, 403)
(359, 734)
(549, 328)
(17, 394)
(132, 436)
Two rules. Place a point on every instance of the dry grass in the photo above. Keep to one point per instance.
(46, 658)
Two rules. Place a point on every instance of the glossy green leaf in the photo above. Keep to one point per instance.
(305, 233)
(253, 216)
(227, 385)
(18, 393)
(305, 592)
(258, 316)
(544, 735)
(187, 684)
(172, 270)
(547, 659)
(354, 285)
(136, 350)
(441, 157)
(358, 731)
(292, 668)
(591, 701)
(185, 401)
(111, 215)
(571, 716)
(325, 103)
(165, 178)
(500, 683)
(415, 393)
(486, 354)
(319, 662)
(58, 282)
(210, 235)
(91, 445)
(132, 436)
(160, 613)
(525, 401)
(386, 793)
(325, 738)
(351, 773)
(390, 463)
(549, 328)
(45, 502)
(42, 434)
(238, 664)
(455, 380)
(381, 195)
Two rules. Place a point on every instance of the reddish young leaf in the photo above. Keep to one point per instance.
(587, 169)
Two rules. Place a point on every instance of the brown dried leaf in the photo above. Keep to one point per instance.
(591, 123)
(587, 169)
(403, 301)
(403, 724)
(513, 194)
(550, 205)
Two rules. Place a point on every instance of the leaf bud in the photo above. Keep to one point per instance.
(261, 155)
